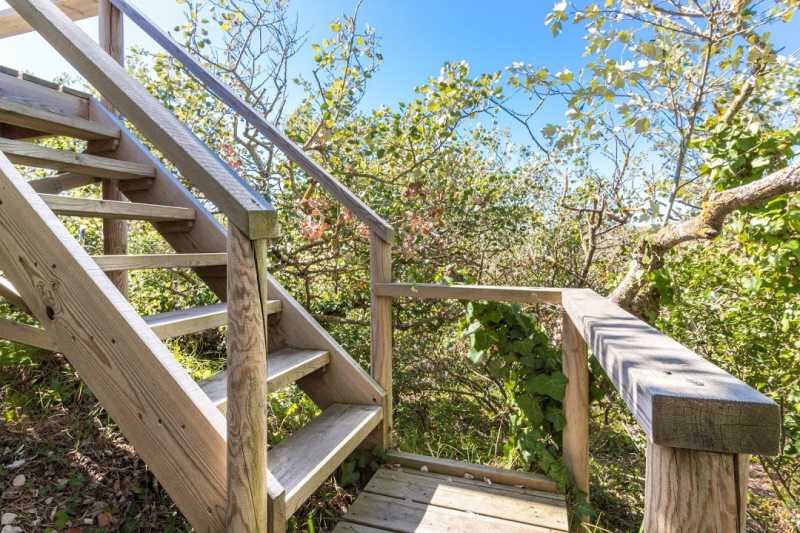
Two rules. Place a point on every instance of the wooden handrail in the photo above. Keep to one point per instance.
(294, 152)
(432, 291)
(680, 399)
(244, 207)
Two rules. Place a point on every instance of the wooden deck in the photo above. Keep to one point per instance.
(406, 500)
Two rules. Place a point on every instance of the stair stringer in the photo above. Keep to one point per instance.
(164, 414)
(344, 380)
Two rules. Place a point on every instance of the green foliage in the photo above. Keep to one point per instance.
(517, 352)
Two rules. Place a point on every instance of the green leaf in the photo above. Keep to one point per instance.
(552, 385)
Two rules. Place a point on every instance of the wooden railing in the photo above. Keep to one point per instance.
(381, 232)
(701, 423)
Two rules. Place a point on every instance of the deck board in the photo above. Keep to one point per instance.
(404, 500)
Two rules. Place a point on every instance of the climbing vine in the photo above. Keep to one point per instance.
(516, 351)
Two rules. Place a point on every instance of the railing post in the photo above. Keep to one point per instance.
(115, 232)
(690, 490)
(380, 267)
(247, 386)
(575, 444)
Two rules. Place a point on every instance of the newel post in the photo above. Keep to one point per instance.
(575, 437)
(380, 267)
(691, 490)
(247, 385)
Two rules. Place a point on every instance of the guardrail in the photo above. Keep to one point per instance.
(701, 422)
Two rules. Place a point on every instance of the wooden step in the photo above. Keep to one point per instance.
(33, 155)
(59, 183)
(194, 320)
(112, 209)
(284, 367)
(110, 263)
(38, 119)
(306, 459)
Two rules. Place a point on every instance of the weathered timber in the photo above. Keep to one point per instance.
(161, 410)
(245, 208)
(294, 152)
(380, 268)
(680, 399)
(88, 207)
(247, 391)
(528, 295)
(689, 490)
(44, 121)
(454, 468)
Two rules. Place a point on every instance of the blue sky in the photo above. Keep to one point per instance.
(417, 37)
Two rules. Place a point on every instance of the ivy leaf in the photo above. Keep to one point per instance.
(552, 385)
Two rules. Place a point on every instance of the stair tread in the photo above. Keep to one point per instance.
(109, 209)
(30, 154)
(186, 321)
(306, 459)
(284, 366)
(39, 119)
(150, 261)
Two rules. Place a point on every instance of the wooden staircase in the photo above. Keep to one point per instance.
(176, 425)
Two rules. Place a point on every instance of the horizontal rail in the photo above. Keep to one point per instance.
(12, 24)
(27, 335)
(680, 399)
(431, 291)
(294, 152)
(244, 207)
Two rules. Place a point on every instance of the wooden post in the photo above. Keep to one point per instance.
(690, 490)
(575, 364)
(115, 232)
(380, 267)
(247, 390)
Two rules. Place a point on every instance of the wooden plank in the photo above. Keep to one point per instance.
(187, 321)
(247, 391)
(29, 154)
(294, 152)
(454, 468)
(39, 119)
(163, 413)
(284, 367)
(380, 270)
(88, 207)
(302, 462)
(690, 490)
(575, 436)
(25, 334)
(403, 516)
(150, 261)
(33, 92)
(12, 24)
(527, 507)
(111, 36)
(523, 295)
(245, 208)
(680, 399)
(61, 182)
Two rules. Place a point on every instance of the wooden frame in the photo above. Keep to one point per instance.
(430, 291)
(246, 209)
(165, 415)
(362, 211)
